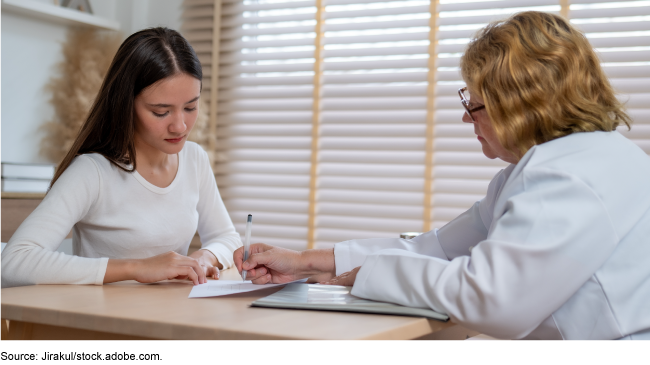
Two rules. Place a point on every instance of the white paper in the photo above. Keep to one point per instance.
(215, 288)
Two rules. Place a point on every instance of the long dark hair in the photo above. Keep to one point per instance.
(144, 58)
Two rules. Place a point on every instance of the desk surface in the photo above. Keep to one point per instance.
(163, 311)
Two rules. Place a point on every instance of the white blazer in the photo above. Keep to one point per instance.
(558, 249)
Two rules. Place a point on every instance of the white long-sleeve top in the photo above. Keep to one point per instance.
(115, 214)
(558, 249)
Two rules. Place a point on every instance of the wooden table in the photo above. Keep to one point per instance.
(130, 310)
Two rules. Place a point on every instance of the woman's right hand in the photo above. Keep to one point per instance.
(166, 266)
(269, 264)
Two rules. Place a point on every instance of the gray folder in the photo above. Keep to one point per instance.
(337, 298)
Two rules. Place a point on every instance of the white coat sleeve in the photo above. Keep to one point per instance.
(217, 233)
(352, 253)
(30, 256)
(553, 235)
(460, 235)
(453, 240)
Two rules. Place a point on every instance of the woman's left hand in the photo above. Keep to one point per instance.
(345, 279)
(208, 262)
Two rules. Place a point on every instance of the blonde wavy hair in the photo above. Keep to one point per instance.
(540, 80)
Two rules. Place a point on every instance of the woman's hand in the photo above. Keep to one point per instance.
(208, 262)
(268, 264)
(345, 279)
(166, 266)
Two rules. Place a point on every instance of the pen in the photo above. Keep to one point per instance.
(247, 242)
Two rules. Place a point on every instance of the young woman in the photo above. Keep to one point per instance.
(560, 246)
(131, 188)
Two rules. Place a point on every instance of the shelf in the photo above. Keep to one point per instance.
(12, 195)
(57, 14)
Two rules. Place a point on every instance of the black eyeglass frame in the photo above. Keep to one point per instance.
(465, 102)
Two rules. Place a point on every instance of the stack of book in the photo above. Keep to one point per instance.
(26, 178)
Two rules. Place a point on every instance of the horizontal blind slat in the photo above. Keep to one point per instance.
(377, 25)
(606, 27)
(620, 41)
(445, 7)
(265, 180)
(480, 19)
(375, 224)
(376, 51)
(609, 12)
(238, 32)
(235, 45)
(266, 104)
(382, 64)
(373, 157)
(232, 57)
(370, 116)
(297, 117)
(240, 20)
(240, 7)
(266, 92)
(373, 143)
(369, 12)
(371, 197)
(386, 37)
(262, 167)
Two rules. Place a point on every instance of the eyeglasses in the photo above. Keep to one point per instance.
(465, 102)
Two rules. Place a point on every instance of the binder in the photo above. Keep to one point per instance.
(337, 298)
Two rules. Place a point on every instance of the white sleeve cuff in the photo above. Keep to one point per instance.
(342, 258)
(101, 272)
(353, 253)
(222, 253)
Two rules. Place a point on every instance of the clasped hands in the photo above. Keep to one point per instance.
(268, 264)
(196, 267)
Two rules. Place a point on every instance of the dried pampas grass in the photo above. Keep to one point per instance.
(87, 54)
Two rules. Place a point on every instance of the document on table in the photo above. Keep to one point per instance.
(216, 288)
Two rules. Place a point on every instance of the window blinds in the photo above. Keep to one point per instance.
(265, 117)
(197, 27)
(373, 127)
(620, 33)
(335, 123)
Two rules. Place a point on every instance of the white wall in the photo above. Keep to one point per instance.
(30, 50)
(135, 15)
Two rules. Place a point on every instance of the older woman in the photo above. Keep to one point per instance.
(560, 246)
